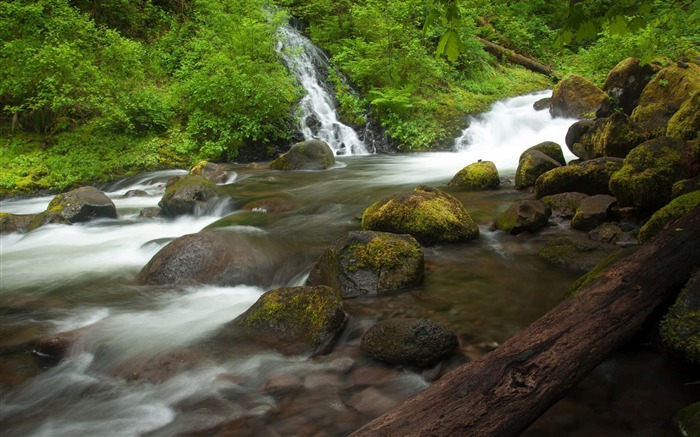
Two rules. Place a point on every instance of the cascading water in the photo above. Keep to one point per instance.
(319, 119)
(146, 360)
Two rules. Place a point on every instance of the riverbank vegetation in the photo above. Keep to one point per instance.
(96, 90)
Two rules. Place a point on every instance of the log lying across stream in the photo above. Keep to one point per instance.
(508, 389)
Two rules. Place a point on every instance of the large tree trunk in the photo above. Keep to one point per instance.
(505, 391)
(516, 58)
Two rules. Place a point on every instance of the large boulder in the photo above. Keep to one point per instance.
(430, 215)
(524, 215)
(306, 155)
(368, 263)
(576, 97)
(664, 95)
(611, 136)
(83, 204)
(409, 342)
(680, 328)
(646, 179)
(592, 212)
(678, 207)
(588, 177)
(564, 205)
(185, 194)
(215, 257)
(532, 164)
(481, 175)
(577, 253)
(576, 131)
(14, 222)
(549, 148)
(685, 124)
(294, 320)
(626, 81)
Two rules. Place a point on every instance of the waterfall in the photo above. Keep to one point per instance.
(319, 119)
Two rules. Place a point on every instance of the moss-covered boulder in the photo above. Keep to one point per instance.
(368, 263)
(685, 186)
(186, 193)
(409, 342)
(576, 131)
(680, 328)
(646, 179)
(47, 218)
(576, 97)
(549, 148)
(685, 124)
(687, 420)
(564, 205)
(577, 253)
(611, 136)
(664, 95)
(481, 175)
(532, 164)
(83, 204)
(524, 215)
(588, 177)
(294, 320)
(626, 81)
(217, 173)
(14, 222)
(592, 212)
(306, 155)
(430, 215)
(678, 207)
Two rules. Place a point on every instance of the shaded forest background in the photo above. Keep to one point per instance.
(94, 90)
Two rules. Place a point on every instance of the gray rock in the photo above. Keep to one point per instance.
(592, 212)
(524, 215)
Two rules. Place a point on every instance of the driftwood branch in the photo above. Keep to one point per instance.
(516, 58)
(508, 389)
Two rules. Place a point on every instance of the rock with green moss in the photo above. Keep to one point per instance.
(576, 253)
(549, 148)
(687, 420)
(430, 215)
(575, 132)
(649, 172)
(217, 173)
(592, 212)
(409, 342)
(295, 320)
(83, 204)
(685, 124)
(481, 175)
(664, 95)
(532, 165)
(368, 263)
(186, 193)
(680, 328)
(611, 136)
(626, 81)
(47, 218)
(564, 205)
(676, 209)
(524, 215)
(588, 177)
(576, 97)
(685, 186)
(307, 155)
(14, 222)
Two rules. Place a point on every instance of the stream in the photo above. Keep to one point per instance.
(144, 361)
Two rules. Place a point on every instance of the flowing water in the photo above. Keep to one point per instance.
(147, 361)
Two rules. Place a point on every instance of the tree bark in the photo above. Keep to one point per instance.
(508, 389)
(516, 58)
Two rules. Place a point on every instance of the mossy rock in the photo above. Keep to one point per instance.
(532, 165)
(576, 97)
(183, 196)
(14, 222)
(542, 104)
(680, 328)
(409, 342)
(676, 209)
(217, 173)
(576, 253)
(626, 81)
(685, 186)
(368, 263)
(564, 205)
(481, 175)
(588, 177)
(83, 204)
(685, 124)
(306, 155)
(653, 118)
(549, 148)
(649, 172)
(295, 320)
(687, 420)
(592, 212)
(430, 215)
(524, 215)
(576, 131)
(612, 136)
(47, 218)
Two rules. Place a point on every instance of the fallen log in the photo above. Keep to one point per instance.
(516, 58)
(508, 389)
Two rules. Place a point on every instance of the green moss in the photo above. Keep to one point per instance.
(676, 209)
(653, 118)
(598, 270)
(685, 124)
(481, 175)
(384, 252)
(197, 169)
(680, 328)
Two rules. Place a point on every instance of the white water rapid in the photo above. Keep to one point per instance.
(319, 119)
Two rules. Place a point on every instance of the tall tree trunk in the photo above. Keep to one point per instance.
(505, 391)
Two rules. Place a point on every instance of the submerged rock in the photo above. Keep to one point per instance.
(524, 215)
(409, 342)
(576, 97)
(183, 196)
(83, 204)
(430, 215)
(481, 175)
(367, 263)
(307, 155)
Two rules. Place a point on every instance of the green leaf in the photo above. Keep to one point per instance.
(618, 25)
(449, 45)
